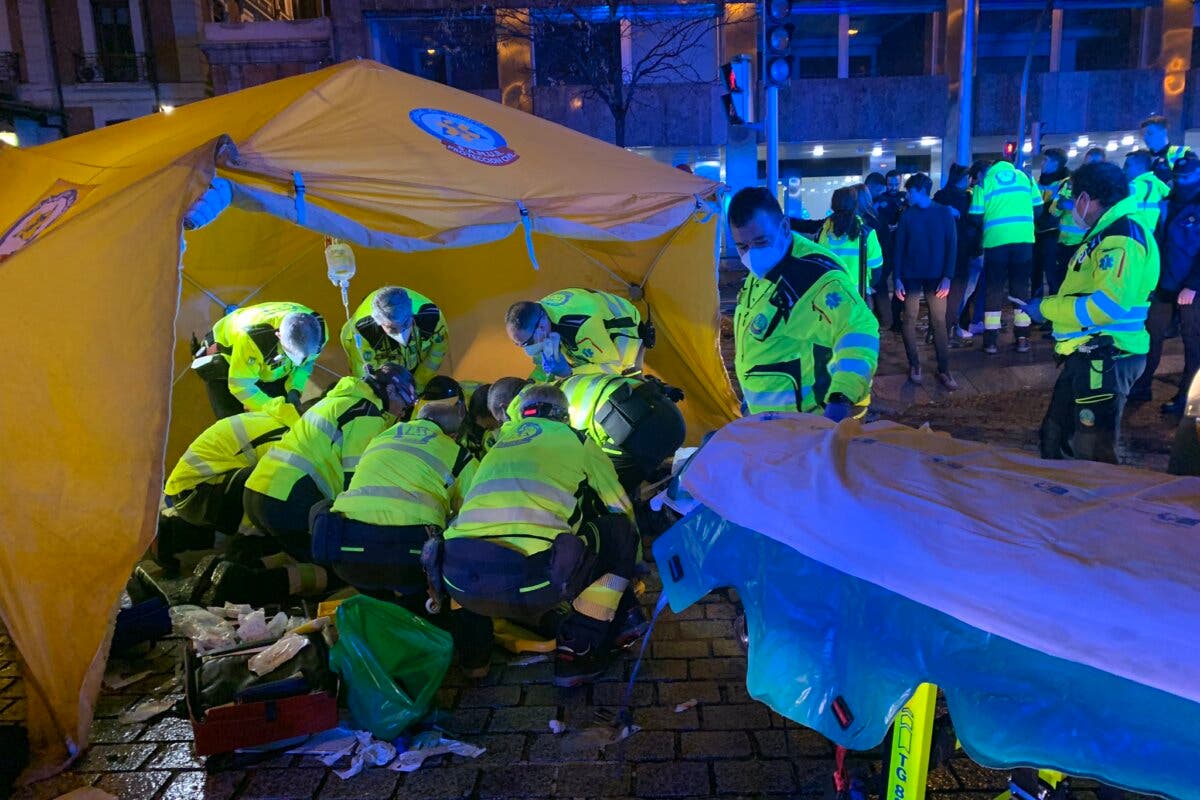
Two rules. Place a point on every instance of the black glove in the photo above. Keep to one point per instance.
(670, 392)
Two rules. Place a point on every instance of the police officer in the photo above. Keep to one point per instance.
(574, 327)
(1154, 134)
(1146, 189)
(634, 420)
(203, 493)
(314, 461)
(1099, 318)
(256, 353)
(804, 339)
(1177, 285)
(399, 326)
(1003, 205)
(404, 489)
(544, 522)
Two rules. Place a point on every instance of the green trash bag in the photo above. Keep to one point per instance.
(392, 662)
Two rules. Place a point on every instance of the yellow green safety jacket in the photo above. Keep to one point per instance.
(247, 338)
(366, 343)
(803, 333)
(325, 444)
(411, 474)
(586, 391)
(476, 439)
(230, 444)
(1108, 285)
(849, 251)
(536, 482)
(1068, 232)
(1149, 193)
(1006, 200)
(596, 328)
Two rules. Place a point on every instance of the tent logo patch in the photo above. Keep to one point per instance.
(464, 136)
(61, 197)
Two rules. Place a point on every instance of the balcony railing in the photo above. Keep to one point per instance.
(113, 68)
(10, 68)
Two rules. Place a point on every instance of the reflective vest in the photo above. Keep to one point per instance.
(474, 437)
(535, 483)
(247, 338)
(1068, 232)
(1164, 160)
(1006, 200)
(849, 250)
(803, 333)
(410, 474)
(325, 444)
(1108, 285)
(230, 444)
(365, 342)
(596, 328)
(586, 392)
(1149, 193)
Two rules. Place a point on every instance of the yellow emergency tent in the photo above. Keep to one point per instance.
(439, 190)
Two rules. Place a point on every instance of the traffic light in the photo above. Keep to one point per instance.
(738, 77)
(1010, 150)
(777, 43)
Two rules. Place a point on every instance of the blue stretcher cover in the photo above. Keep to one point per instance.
(1056, 604)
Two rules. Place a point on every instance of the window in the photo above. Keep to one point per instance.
(815, 46)
(576, 48)
(459, 51)
(1100, 39)
(1004, 41)
(889, 44)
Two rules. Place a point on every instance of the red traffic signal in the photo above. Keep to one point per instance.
(1010, 150)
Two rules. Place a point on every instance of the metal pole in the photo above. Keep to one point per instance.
(966, 92)
(1019, 157)
(772, 129)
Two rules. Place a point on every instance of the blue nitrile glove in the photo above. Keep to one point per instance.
(1034, 309)
(837, 410)
(556, 365)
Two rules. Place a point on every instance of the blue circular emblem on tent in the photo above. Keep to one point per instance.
(464, 136)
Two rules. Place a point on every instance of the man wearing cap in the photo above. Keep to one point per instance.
(1098, 318)
(546, 522)
(397, 325)
(256, 353)
(1177, 285)
(314, 461)
(408, 482)
(576, 327)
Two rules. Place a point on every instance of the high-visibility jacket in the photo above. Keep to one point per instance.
(1149, 193)
(325, 444)
(803, 333)
(1006, 199)
(535, 483)
(587, 391)
(411, 474)
(1164, 160)
(850, 250)
(230, 444)
(247, 337)
(1069, 233)
(1108, 285)
(366, 343)
(596, 328)
(472, 436)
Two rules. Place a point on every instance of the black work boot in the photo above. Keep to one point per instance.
(991, 342)
(631, 622)
(581, 656)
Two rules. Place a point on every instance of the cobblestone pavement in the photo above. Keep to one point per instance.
(727, 746)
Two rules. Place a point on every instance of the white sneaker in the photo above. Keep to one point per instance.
(965, 334)
(976, 327)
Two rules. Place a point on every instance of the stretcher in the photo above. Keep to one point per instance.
(1054, 603)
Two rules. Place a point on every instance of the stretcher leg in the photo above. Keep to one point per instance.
(912, 736)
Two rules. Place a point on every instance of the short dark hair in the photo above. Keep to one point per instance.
(1095, 151)
(1158, 120)
(892, 173)
(980, 167)
(749, 201)
(956, 173)
(1057, 153)
(919, 181)
(478, 404)
(522, 316)
(1141, 160)
(1104, 182)
(875, 179)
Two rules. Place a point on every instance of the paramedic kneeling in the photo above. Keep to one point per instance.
(545, 522)
(1099, 318)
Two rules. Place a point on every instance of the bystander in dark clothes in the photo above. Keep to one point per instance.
(926, 253)
(890, 205)
(957, 197)
(1178, 284)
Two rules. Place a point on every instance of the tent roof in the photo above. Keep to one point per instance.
(398, 176)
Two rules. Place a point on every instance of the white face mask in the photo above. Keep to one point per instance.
(761, 260)
(296, 358)
(402, 337)
(533, 350)
(1077, 216)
